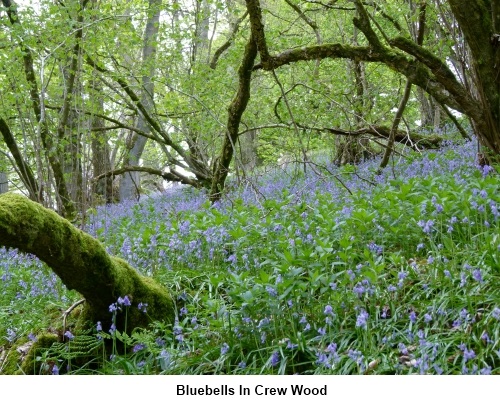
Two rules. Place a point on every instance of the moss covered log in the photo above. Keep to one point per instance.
(82, 263)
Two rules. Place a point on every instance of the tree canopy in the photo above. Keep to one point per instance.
(94, 94)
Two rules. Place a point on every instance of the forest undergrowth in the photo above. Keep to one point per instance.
(331, 271)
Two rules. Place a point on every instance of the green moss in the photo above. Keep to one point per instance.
(33, 363)
(11, 364)
(18, 361)
(83, 265)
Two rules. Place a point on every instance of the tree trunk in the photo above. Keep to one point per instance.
(130, 183)
(101, 159)
(4, 179)
(350, 149)
(83, 264)
(480, 24)
(248, 150)
(4, 183)
(235, 112)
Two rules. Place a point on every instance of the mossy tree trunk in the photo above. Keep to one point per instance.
(82, 263)
(235, 112)
(480, 24)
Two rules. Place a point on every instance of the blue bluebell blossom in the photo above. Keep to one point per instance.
(224, 349)
(275, 359)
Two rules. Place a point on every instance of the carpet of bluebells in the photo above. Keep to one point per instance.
(328, 271)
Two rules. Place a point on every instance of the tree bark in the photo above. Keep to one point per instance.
(101, 160)
(82, 263)
(480, 24)
(235, 112)
(130, 183)
(4, 178)
(24, 170)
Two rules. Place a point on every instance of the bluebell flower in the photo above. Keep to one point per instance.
(323, 360)
(496, 313)
(463, 279)
(126, 301)
(485, 337)
(224, 349)
(275, 359)
(426, 226)
(242, 364)
(427, 318)
(359, 289)
(355, 355)
(328, 310)
(485, 371)
(183, 311)
(69, 335)
(476, 275)
(468, 354)
(143, 307)
(55, 370)
(402, 348)
(332, 348)
(291, 346)
(271, 291)
(362, 319)
(177, 329)
(262, 323)
(138, 347)
(376, 249)
(99, 326)
(322, 331)
(438, 369)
